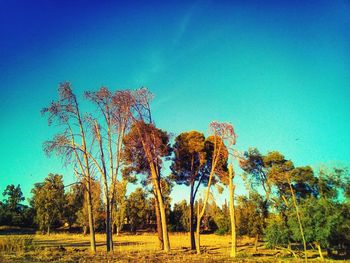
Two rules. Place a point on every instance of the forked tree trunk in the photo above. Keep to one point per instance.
(232, 212)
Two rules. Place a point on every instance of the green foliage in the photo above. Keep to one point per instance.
(136, 209)
(180, 217)
(12, 212)
(74, 203)
(49, 202)
(136, 157)
(276, 232)
(97, 207)
(120, 204)
(249, 215)
(319, 218)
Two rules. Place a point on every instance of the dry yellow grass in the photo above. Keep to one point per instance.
(136, 248)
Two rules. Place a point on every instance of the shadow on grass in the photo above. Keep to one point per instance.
(76, 244)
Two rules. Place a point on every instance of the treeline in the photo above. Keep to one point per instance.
(118, 143)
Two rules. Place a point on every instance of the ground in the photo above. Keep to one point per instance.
(130, 248)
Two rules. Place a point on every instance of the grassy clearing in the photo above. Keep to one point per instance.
(130, 248)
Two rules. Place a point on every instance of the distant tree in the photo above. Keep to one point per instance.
(12, 212)
(49, 202)
(136, 212)
(14, 197)
(276, 232)
(250, 216)
(97, 212)
(120, 205)
(180, 217)
(74, 203)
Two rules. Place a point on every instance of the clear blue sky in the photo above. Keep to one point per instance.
(279, 71)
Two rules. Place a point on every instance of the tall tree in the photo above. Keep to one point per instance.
(109, 132)
(282, 173)
(216, 154)
(189, 168)
(144, 147)
(66, 113)
(227, 134)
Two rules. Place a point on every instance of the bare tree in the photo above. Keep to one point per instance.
(66, 113)
(228, 135)
(109, 133)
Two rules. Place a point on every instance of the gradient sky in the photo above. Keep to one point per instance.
(280, 72)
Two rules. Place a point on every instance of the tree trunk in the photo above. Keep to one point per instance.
(159, 224)
(48, 230)
(91, 219)
(320, 251)
(299, 220)
(117, 230)
(232, 212)
(84, 230)
(198, 228)
(256, 242)
(192, 227)
(163, 218)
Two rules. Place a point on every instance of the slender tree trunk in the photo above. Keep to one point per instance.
(198, 228)
(320, 251)
(192, 227)
(256, 242)
(159, 224)
(105, 184)
(162, 213)
(232, 212)
(48, 229)
(299, 220)
(91, 218)
(88, 177)
(200, 214)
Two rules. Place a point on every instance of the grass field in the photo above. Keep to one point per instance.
(132, 248)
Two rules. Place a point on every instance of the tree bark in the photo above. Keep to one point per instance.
(232, 212)
(198, 228)
(161, 209)
(192, 228)
(159, 224)
(91, 218)
(256, 242)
